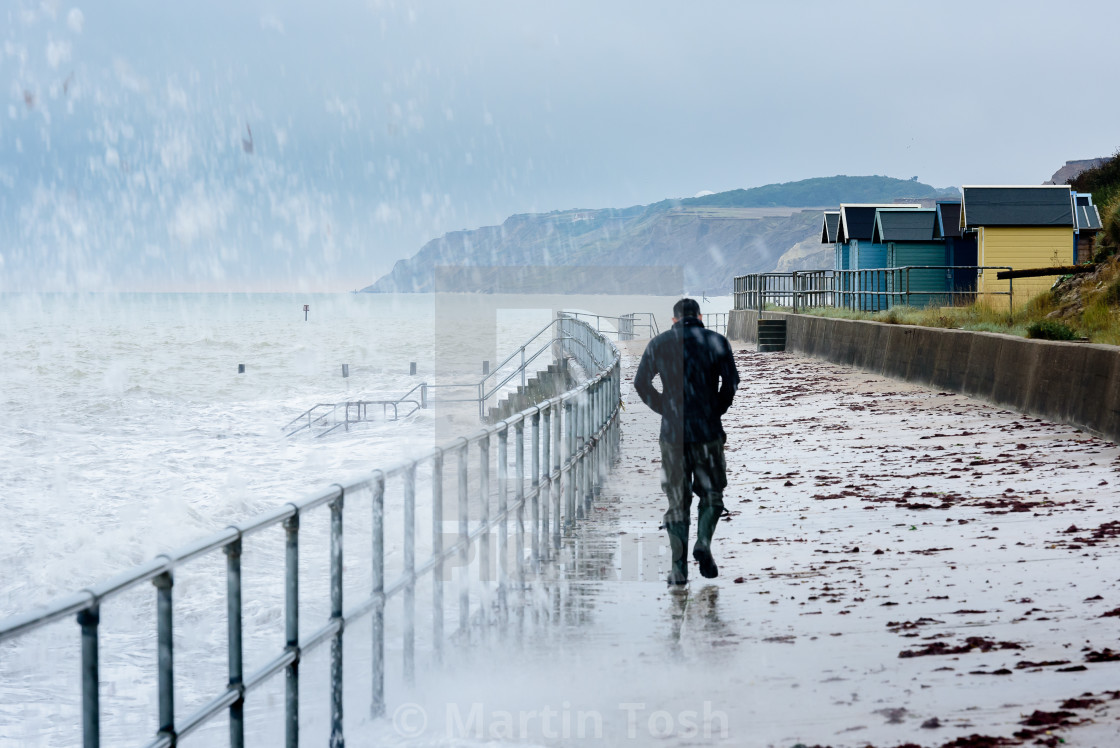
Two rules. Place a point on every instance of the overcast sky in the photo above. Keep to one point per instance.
(379, 126)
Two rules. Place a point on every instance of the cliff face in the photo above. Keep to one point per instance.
(711, 239)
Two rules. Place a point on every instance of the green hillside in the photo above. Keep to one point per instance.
(711, 239)
(824, 191)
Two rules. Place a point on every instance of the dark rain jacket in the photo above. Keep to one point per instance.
(698, 381)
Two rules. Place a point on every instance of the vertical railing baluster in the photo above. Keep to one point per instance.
(535, 489)
(377, 542)
(437, 554)
(519, 497)
(581, 466)
(464, 542)
(166, 656)
(545, 493)
(89, 619)
(291, 628)
(557, 481)
(336, 739)
(233, 626)
(409, 638)
(569, 458)
(503, 524)
(484, 508)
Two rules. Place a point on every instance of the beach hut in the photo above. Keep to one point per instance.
(909, 238)
(1021, 227)
(828, 236)
(960, 249)
(857, 224)
(1088, 225)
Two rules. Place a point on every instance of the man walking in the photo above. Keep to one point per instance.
(698, 382)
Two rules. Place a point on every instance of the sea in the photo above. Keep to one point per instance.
(136, 422)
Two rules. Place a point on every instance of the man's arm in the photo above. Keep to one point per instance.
(643, 381)
(728, 377)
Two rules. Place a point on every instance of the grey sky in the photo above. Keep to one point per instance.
(379, 126)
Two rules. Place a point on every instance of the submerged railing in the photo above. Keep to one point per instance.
(573, 441)
(870, 290)
(630, 326)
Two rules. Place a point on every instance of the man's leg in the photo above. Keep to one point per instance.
(709, 478)
(675, 482)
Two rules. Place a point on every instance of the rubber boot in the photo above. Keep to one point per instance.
(702, 551)
(678, 542)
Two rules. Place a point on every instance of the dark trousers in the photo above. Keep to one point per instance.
(692, 467)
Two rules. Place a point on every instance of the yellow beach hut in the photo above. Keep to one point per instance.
(1021, 227)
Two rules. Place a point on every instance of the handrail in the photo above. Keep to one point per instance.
(574, 441)
(869, 289)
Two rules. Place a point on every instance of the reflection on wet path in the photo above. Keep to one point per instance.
(900, 566)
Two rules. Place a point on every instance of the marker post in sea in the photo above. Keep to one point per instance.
(306, 309)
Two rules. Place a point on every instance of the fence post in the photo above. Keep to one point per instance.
(233, 624)
(336, 739)
(569, 482)
(437, 554)
(484, 508)
(464, 542)
(377, 537)
(545, 493)
(535, 488)
(408, 644)
(291, 628)
(519, 496)
(503, 512)
(166, 656)
(557, 480)
(89, 619)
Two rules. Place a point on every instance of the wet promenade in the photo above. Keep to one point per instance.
(900, 567)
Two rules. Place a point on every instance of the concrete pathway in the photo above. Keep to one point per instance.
(900, 567)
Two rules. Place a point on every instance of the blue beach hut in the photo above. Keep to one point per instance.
(908, 236)
(960, 249)
(856, 229)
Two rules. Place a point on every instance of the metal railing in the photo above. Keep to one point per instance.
(870, 290)
(326, 414)
(574, 439)
(716, 321)
(632, 326)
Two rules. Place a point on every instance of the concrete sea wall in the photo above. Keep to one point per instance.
(1074, 383)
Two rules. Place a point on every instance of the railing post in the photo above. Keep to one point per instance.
(336, 739)
(503, 524)
(437, 554)
(484, 508)
(88, 619)
(233, 625)
(557, 480)
(166, 656)
(535, 488)
(291, 628)
(522, 366)
(589, 458)
(464, 542)
(545, 493)
(377, 541)
(519, 496)
(409, 638)
(581, 470)
(569, 481)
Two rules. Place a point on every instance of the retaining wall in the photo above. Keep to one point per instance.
(1074, 383)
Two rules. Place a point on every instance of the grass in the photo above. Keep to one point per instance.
(1089, 307)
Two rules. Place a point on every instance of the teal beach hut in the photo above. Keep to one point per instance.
(909, 238)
